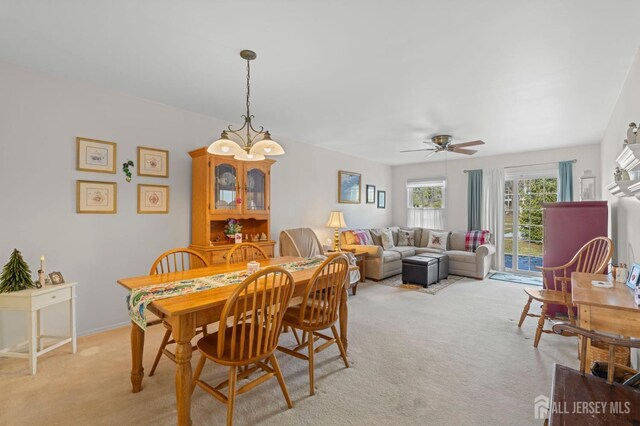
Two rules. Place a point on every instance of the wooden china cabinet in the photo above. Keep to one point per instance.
(224, 188)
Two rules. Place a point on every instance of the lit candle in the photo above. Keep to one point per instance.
(42, 263)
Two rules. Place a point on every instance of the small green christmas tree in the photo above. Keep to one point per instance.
(15, 274)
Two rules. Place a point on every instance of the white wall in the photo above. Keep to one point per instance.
(625, 226)
(40, 118)
(586, 155)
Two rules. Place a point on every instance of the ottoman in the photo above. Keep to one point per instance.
(419, 270)
(443, 263)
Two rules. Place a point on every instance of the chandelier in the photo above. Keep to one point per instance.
(254, 144)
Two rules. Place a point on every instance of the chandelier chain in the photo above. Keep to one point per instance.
(248, 85)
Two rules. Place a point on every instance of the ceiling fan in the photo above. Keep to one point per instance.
(441, 143)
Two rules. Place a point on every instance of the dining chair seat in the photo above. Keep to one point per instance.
(548, 296)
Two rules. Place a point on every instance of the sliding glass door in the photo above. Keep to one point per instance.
(523, 198)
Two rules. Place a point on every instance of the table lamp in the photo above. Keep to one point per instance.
(336, 220)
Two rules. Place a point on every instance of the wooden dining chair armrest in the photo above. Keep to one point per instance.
(552, 268)
(564, 327)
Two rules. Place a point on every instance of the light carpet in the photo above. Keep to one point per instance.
(396, 281)
(454, 359)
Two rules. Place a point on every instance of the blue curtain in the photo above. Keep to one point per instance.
(565, 183)
(474, 200)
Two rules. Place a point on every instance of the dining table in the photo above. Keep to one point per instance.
(185, 313)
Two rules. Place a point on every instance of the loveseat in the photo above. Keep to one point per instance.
(381, 263)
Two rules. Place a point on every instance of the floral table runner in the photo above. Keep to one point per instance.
(139, 298)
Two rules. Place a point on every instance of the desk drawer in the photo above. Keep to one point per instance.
(51, 298)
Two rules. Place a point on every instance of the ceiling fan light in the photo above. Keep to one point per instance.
(224, 146)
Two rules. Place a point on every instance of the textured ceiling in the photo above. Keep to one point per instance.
(360, 77)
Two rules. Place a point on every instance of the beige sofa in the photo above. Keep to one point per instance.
(382, 263)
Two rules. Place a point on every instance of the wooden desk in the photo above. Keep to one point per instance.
(189, 311)
(611, 310)
(590, 400)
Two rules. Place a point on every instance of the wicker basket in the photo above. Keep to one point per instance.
(600, 352)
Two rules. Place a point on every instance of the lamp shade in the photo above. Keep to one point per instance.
(247, 156)
(224, 146)
(336, 220)
(267, 146)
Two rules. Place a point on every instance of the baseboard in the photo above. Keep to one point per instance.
(105, 328)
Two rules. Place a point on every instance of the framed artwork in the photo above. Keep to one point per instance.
(153, 162)
(349, 187)
(371, 194)
(56, 278)
(634, 276)
(153, 198)
(95, 156)
(96, 197)
(382, 199)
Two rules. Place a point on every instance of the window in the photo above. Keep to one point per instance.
(426, 203)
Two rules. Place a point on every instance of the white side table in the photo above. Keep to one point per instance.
(31, 301)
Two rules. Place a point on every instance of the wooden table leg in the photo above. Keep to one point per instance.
(344, 317)
(363, 269)
(184, 329)
(137, 350)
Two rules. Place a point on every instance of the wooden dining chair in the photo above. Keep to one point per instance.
(592, 258)
(250, 326)
(245, 252)
(629, 375)
(174, 260)
(319, 311)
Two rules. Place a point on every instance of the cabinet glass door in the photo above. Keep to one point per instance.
(256, 190)
(225, 187)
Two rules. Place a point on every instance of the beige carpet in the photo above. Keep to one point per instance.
(456, 358)
(396, 281)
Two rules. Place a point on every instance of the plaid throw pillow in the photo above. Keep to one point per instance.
(474, 239)
(362, 238)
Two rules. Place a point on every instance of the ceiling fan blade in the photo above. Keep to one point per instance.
(464, 151)
(471, 143)
(414, 150)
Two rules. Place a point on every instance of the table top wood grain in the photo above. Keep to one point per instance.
(193, 302)
(620, 297)
(590, 400)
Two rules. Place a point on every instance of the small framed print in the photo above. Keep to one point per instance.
(56, 278)
(634, 276)
(153, 198)
(153, 162)
(96, 197)
(382, 199)
(95, 156)
(349, 187)
(371, 194)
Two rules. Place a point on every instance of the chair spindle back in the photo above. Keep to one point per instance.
(592, 258)
(321, 300)
(254, 314)
(176, 260)
(245, 252)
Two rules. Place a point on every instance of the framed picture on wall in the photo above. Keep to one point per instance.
(153, 162)
(153, 198)
(95, 156)
(382, 199)
(371, 194)
(96, 197)
(349, 187)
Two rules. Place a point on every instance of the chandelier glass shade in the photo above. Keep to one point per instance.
(248, 144)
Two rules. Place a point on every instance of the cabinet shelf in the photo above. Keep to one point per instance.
(629, 158)
(625, 188)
